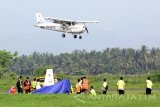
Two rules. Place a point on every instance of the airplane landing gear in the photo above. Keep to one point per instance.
(75, 36)
(63, 35)
(80, 37)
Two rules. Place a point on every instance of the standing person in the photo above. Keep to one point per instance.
(149, 86)
(105, 86)
(27, 85)
(78, 87)
(92, 91)
(121, 85)
(19, 85)
(34, 83)
(85, 84)
(80, 83)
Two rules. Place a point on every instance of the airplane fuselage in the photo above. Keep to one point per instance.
(73, 29)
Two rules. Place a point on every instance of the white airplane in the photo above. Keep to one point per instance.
(61, 25)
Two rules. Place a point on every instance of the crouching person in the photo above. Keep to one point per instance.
(92, 91)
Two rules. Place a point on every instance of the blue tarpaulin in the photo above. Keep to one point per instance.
(61, 87)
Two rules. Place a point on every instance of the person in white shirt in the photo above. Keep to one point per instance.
(80, 83)
(105, 86)
(149, 86)
(78, 87)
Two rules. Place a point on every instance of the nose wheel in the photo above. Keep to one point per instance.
(63, 35)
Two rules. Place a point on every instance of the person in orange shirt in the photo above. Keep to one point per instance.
(12, 90)
(85, 84)
(27, 85)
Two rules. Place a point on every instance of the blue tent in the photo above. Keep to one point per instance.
(61, 87)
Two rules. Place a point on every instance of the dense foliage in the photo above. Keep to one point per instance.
(5, 60)
(110, 60)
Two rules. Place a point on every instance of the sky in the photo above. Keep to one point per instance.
(122, 23)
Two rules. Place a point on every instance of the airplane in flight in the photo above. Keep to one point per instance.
(60, 25)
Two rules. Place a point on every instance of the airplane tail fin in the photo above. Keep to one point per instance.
(39, 18)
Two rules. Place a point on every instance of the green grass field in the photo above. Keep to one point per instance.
(134, 94)
(110, 100)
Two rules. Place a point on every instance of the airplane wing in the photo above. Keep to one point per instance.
(87, 21)
(56, 20)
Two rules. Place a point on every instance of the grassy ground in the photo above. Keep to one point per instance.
(137, 82)
(134, 94)
(110, 100)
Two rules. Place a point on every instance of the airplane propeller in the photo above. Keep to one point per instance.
(86, 29)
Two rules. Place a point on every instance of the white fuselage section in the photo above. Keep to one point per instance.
(66, 28)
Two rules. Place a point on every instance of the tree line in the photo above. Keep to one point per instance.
(110, 60)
